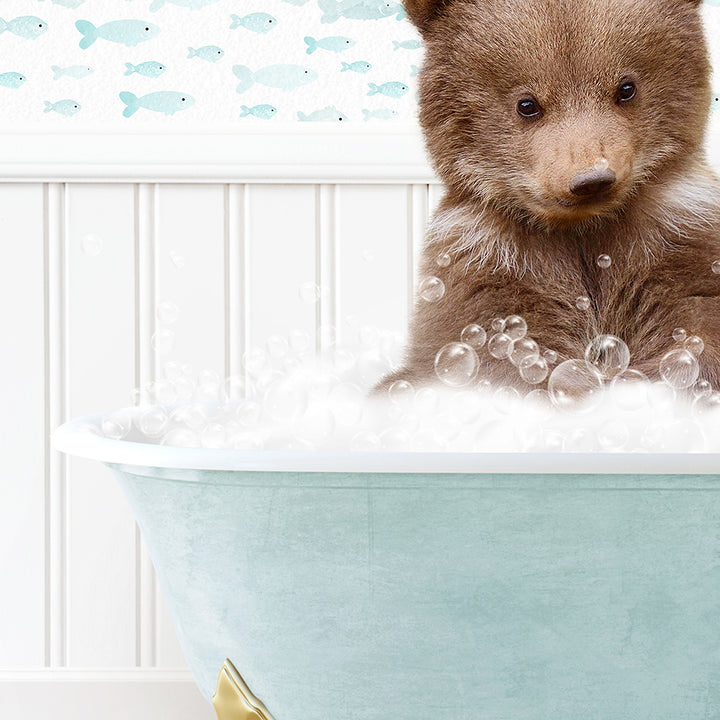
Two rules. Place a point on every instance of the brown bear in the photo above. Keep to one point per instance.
(567, 130)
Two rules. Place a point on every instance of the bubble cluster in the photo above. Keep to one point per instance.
(285, 396)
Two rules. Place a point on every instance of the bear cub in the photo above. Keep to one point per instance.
(569, 137)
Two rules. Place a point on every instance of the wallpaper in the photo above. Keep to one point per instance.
(185, 64)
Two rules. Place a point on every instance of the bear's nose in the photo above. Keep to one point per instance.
(592, 181)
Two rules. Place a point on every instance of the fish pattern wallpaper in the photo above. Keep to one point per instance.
(183, 64)
(190, 63)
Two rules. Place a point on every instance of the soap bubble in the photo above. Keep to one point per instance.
(365, 441)
(604, 261)
(369, 336)
(632, 387)
(299, 341)
(538, 403)
(575, 386)
(193, 415)
(277, 346)
(401, 391)
(661, 397)
(707, 404)
(679, 369)
(212, 435)
(347, 402)
(116, 425)
(608, 354)
(368, 256)
(255, 361)
(443, 259)
(92, 245)
(524, 351)
(469, 405)
(498, 325)
(613, 435)
(506, 400)
(309, 292)
(702, 388)
(579, 440)
(285, 399)
(716, 267)
(236, 387)
(515, 326)
(180, 437)
(164, 391)
(456, 364)
(172, 370)
(582, 302)
(694, 345)
(248, 413)
(162, 341)
(185, 388)
(500, 346)
(431, 289)
(178, 260)
(167, 312)
(550, 356)
(395, 439)
(427, 400)
(535, 372)
(372, 365)
(474, 336)
(679, 334)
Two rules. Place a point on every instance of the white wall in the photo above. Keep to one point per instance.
(82, 621)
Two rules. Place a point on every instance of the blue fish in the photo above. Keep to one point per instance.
(27, 26)
(360, 10)
(149, 69)
(264, 112)
(406, 45)
(74, 71)
(259, 22)
(189, 4)
(12, 80)
(283, 77)
(164, 101)
(715, 102)
(390, 89)
(211, 53)
(69, 3)
(414, 70)
(359, 67)
(64, 107)
(125, 32)
(329, 113)
(382, 114)
(335, 43)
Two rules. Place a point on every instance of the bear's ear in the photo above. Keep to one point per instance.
(422, 12)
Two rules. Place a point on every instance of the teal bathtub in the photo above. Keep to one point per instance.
(425, 586)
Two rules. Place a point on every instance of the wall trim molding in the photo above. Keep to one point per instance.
(113, 694)
(287, 154)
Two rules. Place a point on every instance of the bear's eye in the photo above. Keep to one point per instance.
(626, 91)
(528, 107)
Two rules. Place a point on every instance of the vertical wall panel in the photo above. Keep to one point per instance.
(190, 255)
(372, 246)
(22, 428)
(100, 374)
(435, 194)
(281, 257)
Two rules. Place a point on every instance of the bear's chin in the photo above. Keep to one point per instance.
(564, 213)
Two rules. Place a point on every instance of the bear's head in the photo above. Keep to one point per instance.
(558, 111)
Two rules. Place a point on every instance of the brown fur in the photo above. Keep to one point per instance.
(515, 247)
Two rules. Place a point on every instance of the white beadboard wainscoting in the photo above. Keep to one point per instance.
(84, 629)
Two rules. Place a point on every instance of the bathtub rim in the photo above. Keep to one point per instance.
(75, 438)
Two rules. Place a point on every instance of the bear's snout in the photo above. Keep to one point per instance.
(592, 181)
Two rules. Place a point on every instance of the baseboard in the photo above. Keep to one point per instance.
(108, 694)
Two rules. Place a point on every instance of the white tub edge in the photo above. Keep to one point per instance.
(74, 438)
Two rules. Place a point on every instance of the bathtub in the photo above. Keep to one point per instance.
(432, 586)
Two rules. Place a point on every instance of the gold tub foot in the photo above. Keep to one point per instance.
(233, 699)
